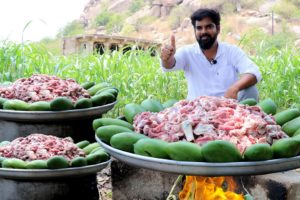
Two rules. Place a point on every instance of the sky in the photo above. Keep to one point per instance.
(46, 17)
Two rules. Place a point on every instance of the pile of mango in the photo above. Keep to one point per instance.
(94, 154)
(151, 105)
(120, 135)
(101, 94)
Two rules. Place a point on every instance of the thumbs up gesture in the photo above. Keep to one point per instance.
(168, 52)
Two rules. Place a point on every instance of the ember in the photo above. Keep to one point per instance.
(209, 188)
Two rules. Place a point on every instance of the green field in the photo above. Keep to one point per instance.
(138, 75)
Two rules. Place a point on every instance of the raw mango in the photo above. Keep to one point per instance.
(131, 110)
(1, 160)
(61, 103)
(15, 104)
(87, 85)
(286, 115)
(152, 105)
(82, 144)
(110, 121)
(249, 102)
(102, 99)
(151, 147)
(89, 148)
(94, 89)
(14, 163)
(78, 162)
(2, 101)
(83, 103)
(57, 162)
(39, 106)
(37, 164)
(220, 151)
(125, 141)
(258, 152)
(185, 151)
(268, 106)
(97, 157)
(169, 103)
(286, 147)
(291, 126)
(106, 132)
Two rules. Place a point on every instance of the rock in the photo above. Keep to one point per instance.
(185, 23)
(120, 6)
(156, 11)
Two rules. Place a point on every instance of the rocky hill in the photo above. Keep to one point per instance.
(157, 19)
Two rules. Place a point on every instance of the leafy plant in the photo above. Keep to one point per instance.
(286, 9)
(138, 75)
(177, 16)
(71, 29)
(136, 5)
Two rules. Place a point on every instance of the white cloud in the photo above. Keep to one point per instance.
(46, 17)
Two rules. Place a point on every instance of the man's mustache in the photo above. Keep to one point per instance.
(206, 35)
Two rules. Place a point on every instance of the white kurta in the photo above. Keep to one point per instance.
(205, 78)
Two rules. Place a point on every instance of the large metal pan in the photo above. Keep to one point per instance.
(46, 174)
(48, 116)
(203, 168)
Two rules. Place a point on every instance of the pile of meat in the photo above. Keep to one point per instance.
(42, 87)
(210, 118)
(40, 147)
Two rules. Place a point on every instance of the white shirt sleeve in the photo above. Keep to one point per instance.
(180, 58)
(244, 65)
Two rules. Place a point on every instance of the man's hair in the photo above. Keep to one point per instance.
(202, 13)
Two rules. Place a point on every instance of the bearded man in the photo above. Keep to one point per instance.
(212, 68)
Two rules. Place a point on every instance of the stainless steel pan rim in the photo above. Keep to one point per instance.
(203, 168)
(34, 174)
(39, 116)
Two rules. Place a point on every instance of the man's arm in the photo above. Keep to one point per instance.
(245, 81)
(167, 54)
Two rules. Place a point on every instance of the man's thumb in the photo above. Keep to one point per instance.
(173, 43)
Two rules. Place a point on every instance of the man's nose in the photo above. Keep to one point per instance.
(203, 31)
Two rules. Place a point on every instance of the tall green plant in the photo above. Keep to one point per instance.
(138, 75)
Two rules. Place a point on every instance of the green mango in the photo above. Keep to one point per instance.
(185, 151)
(125, 141)
(221, 151)
(257, 152)
(151, 147)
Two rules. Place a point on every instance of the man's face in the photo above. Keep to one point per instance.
(206, 33)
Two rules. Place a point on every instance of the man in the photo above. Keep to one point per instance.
(212, 68)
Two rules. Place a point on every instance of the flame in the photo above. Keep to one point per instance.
(209, 188)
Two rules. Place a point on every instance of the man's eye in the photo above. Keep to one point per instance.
(211, 26)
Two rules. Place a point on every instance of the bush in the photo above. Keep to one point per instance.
(115, 23)
(127, 29)
(72, 28)
(136, 5)
(177, 15)
(144, 21)
(103, 18)
(286, 9)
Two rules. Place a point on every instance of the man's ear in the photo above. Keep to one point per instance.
(218, 28)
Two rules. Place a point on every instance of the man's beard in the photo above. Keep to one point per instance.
(206, 43)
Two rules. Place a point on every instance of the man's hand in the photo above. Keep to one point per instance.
(232, 92)
(167, 53)
(245, 81)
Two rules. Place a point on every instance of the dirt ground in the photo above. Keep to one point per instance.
(104, 184)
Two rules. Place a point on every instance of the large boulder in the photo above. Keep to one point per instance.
(120, 6)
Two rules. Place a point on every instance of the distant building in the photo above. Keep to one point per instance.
(99, 43)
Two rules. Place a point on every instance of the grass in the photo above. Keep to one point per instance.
(139, 76)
